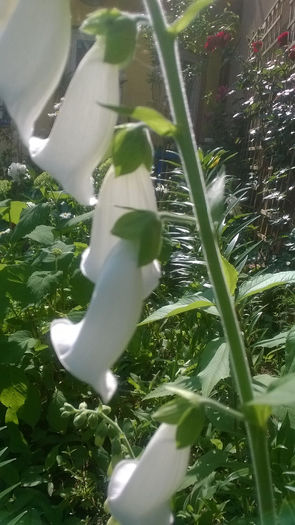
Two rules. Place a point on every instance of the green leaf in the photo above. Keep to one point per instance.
(176, 387)
(290, 351)
(185, 304)
(15, 520)
(190, 427)
(144, 227)
(24, 339)
(43, 283)
(13, 390)
(56, 422)
(265, 282)
(188, 16)
(131, 148)
(172, 411)
(280, 392)
(231, 275)
(13, 212)
(29, 219)
(203, 467)
(152, 118)
(42, 234)
(214, 365)
(30, 411)
(76, 220)
(119, 30)
(273, 342)
(8, 490)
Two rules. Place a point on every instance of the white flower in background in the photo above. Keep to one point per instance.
(139, 490)
(83, 129)
(87, 349)
(133, 190)
(17, 171)
(34, 45)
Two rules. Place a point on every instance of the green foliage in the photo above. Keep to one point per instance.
(131, 148)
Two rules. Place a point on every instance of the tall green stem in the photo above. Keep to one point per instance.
(169, 58)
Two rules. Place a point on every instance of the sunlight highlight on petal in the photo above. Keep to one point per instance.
(82, 131)
(89, 348)
(139, 491)
(134, 190)
(34, 45)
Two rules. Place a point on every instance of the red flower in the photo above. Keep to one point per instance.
(222, 91)
(211, 44)
(283, 39)
(291, 53)
(256, 46)
(222, 38)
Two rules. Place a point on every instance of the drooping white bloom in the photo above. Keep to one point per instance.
(83, 129)
(87, 349)
(139, 490)
(34, 44)
(133, 190)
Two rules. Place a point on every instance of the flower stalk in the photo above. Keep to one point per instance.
(169, 59)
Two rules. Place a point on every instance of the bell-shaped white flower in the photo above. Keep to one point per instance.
(82, 131)
(87, 349)
(133, 190)
(139, 490)
(34, 44)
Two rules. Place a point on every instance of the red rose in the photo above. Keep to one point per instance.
(283, 39)
(222, 38)
(210, 44)
(291, 53)
(256, 46)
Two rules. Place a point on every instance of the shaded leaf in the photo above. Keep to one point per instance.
(42, 234)
(190, 427)
(214, 365)
(43, 283)
(265, 282)
(152, 118)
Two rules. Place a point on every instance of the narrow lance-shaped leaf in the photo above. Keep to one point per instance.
(259, 283)
(188, 16)
(151, 117)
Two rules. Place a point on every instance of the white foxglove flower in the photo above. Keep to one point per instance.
(139, 490)
(87, 349)
(83, 129)
(133, 190)
(34, 45)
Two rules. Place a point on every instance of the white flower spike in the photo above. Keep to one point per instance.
(87, 349)
(133, 190)
(34, 44)
(139, 490)
(83, 129)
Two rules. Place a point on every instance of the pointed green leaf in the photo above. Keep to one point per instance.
(280, 392)
(30, 218)
(172, 412)
(231, 275)
(214, 365)
(42, 234)
(265, 282)
(144, 227)
(42, 283)
(152, 118)
(190, 427)
(118, 29)
(185, 304)
(131, 148)
(188, 16)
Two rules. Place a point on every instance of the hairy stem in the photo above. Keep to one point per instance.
(169, 59)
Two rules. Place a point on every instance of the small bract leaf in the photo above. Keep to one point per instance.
(214, 365)
(280, 392)
(190, 427)
(172, 411)
(231, 274)
(152, 118)
(131, 148)
(143, 227)
(119, 30)
(188, 16)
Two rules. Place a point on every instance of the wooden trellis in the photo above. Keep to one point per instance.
(280, 18)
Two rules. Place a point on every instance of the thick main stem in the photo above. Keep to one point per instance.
(169, 58)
